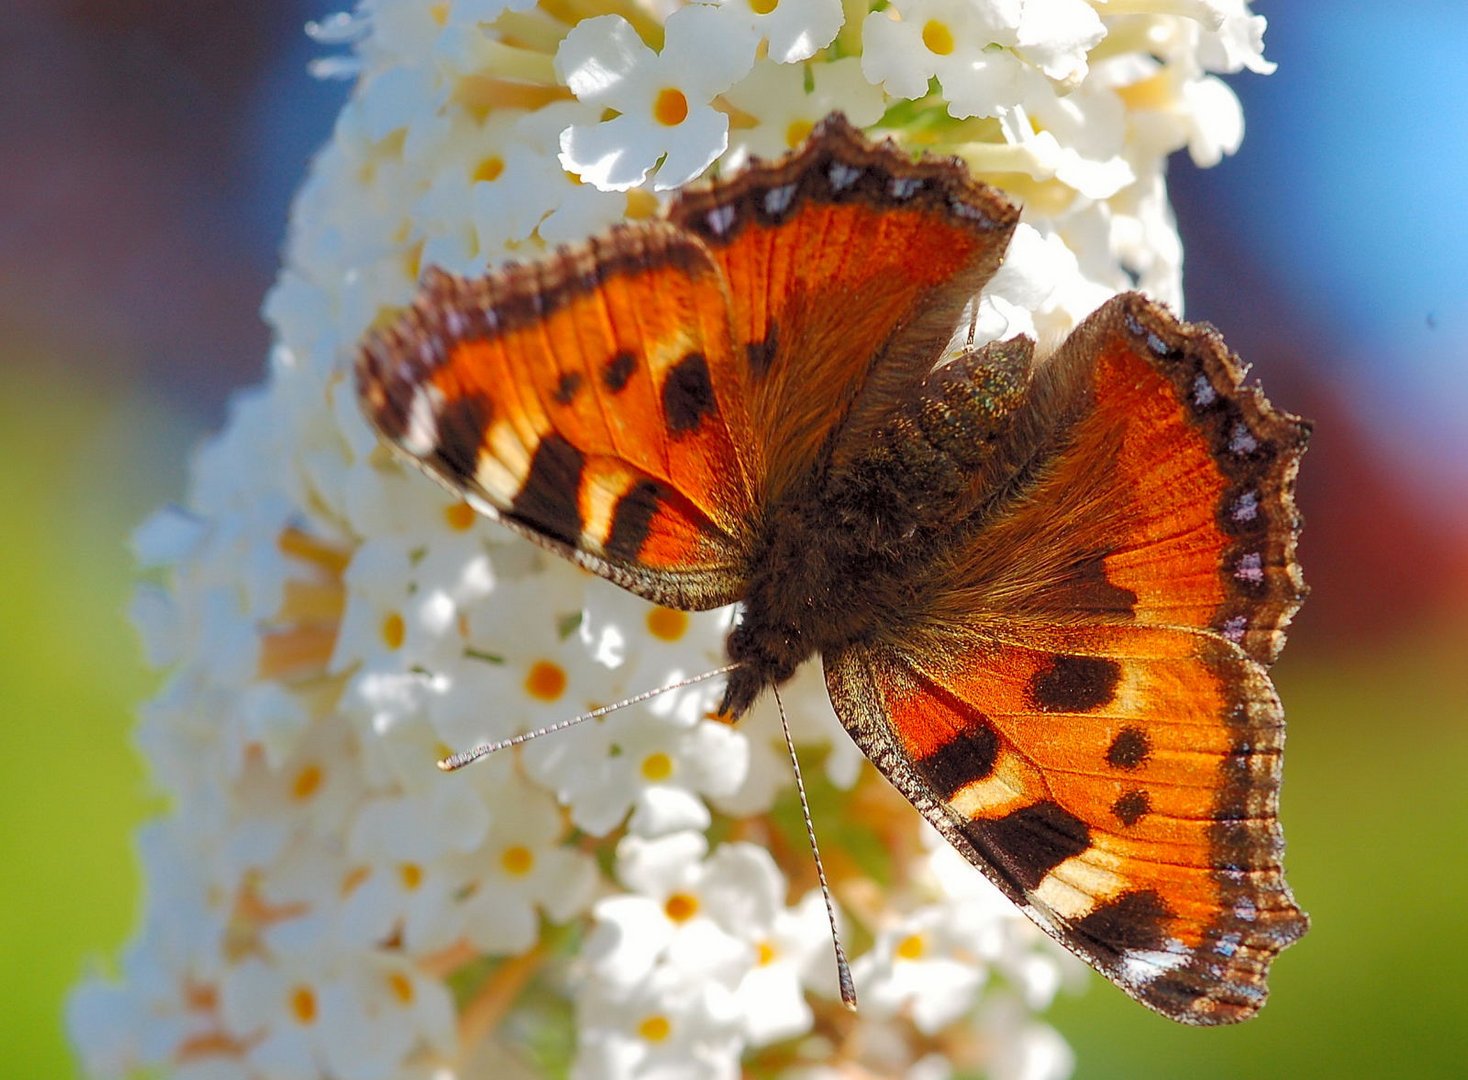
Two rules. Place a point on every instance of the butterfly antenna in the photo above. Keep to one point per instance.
(468, 757)
(843, 969)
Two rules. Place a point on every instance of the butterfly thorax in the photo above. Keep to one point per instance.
(817, 584)
(839, 558)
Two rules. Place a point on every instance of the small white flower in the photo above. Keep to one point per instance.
(661, 640)
(1024, 1048)
(669, 914)
(794, 29)
(401, 881)
(668, 1025)
(922, 965)
(965, 46)
(1055, 36)
(521, 868)
(776, 96)
(659, 765)
(792, 946)
(663, 97)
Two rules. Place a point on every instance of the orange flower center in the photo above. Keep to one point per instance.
(303, 1005)
(670, 108)
(681, 906)
(460, 516)
(307, 783)
(402, 987)
(489, 169)
(667, 624)
(394, 630)
(517, 860)
(546, 681)
(654, 1029)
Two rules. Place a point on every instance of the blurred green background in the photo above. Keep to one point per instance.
(154, 148)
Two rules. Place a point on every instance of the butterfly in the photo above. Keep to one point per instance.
(1045, 594)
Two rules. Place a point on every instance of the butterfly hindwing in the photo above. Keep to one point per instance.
(849, 264)
(588, 401)
(1118, 783)
(1069, 701)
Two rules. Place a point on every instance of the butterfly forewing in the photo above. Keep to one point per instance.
(849, 264)
(589, 401)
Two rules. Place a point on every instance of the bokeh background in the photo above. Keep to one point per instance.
(149, 153)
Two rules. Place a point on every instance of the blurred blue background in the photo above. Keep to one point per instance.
(150, 153)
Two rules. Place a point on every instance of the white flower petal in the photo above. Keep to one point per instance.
(597, 57)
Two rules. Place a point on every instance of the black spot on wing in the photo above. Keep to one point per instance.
(1132, 806)
(567, 386)
(761, 354)
(1027, 844)
(617, 371)
(460, 428)
(1088, 589)
(688, 394)
(1133, 920)
(1075, 684)
(967, 757)
(549, 500)
(632, 518)
(1130, 749)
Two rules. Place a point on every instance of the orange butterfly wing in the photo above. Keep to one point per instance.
(849, 265)
(635, 403)
(1076, 707)
(588, 401)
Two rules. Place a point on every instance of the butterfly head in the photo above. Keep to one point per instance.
(763, 660)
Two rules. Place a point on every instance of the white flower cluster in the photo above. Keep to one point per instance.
(631, 897)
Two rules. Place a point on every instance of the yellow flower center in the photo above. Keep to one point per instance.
(517, 860)
(937, 37)
(667, 624)
(670, 108)
(763, 7)
(641, 204)
(303, 1005)
(460, 517)
(307, 783)
(797, 132)
(657, 767)
(654, 1029)
(402, 987)
(411, 874)
(488, 170)
(353, 878)
(912, 947)
(681, 906)
(767, 953)
(394, 630)
(546, 681)
(413, 260)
